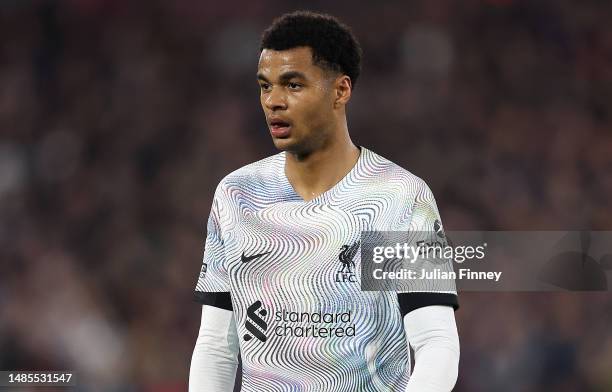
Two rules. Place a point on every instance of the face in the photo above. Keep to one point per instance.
(298, 99)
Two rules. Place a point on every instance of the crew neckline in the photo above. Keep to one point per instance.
(331, 192)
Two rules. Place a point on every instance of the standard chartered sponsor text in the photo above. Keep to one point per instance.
(322, 325)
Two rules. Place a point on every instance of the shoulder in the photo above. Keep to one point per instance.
(252, 178)
(394, 177)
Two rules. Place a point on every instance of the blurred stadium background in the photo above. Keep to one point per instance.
(117, 120)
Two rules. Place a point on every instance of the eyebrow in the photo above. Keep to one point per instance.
(284, 77)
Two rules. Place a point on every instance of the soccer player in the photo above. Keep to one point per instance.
(280, 280)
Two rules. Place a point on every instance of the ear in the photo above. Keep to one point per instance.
(343, 88)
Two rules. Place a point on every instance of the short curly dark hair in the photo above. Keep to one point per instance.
(334, 47)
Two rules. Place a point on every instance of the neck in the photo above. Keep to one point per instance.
(317, 172)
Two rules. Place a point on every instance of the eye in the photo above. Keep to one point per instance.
(294, 86)
(264, 86)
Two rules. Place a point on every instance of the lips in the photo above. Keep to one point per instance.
(279, 127)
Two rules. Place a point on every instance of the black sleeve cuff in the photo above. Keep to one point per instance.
(217, 299)
(411, 301)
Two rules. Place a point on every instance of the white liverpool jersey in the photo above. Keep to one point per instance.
(290, 271)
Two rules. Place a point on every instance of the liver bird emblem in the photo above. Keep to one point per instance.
(347, 255)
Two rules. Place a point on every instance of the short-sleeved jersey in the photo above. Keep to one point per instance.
(290, 271)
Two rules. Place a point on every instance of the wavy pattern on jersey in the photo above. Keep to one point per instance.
(259, 213)
(301, 235)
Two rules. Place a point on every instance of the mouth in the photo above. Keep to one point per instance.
(280, 128)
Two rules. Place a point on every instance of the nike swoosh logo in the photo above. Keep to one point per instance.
(246, 259)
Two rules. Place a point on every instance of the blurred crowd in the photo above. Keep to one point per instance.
(118, 119)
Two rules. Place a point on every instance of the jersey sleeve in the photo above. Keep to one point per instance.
(212, 287)
(426, 224)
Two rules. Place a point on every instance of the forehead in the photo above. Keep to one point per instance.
(275, 62)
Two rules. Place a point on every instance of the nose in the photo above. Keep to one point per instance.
(275, 100)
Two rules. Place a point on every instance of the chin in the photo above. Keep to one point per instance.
(285, 144)
(300, 147)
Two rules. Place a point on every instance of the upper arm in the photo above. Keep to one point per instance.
(426, 229)
(219, 327)
(431, 324)
(432, 333)
(212, 287)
